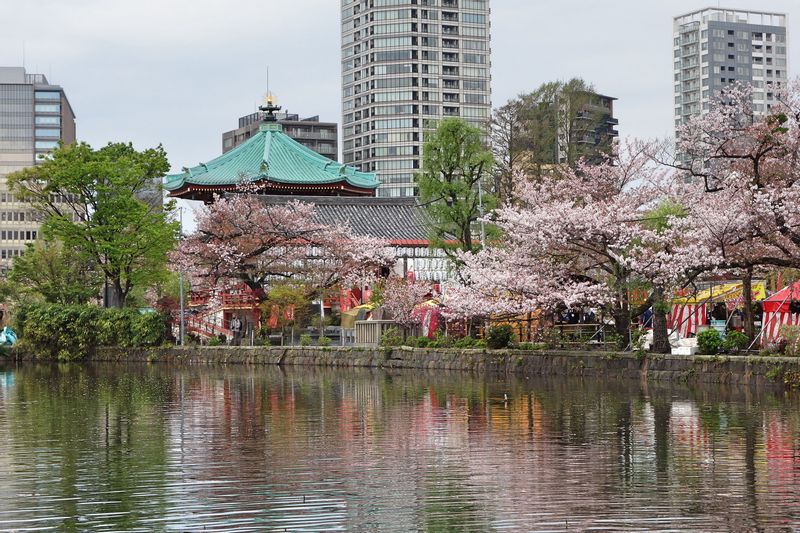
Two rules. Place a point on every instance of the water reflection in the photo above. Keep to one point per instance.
(151, 448)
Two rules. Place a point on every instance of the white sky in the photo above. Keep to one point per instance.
(180, 72)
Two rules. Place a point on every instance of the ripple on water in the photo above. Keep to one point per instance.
(150, 448)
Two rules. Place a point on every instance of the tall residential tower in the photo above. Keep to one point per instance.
(34, 116)
(405, 65)
(715, 47)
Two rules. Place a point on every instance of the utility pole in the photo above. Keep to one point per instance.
(480, 209)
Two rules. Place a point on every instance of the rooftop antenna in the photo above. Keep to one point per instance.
(23, 54)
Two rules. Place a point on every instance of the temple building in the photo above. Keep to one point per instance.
(272, 163)
(278, 170)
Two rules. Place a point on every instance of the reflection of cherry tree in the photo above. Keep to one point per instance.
(239, 240)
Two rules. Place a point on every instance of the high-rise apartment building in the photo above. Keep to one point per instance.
(34, 116)
(715, 47)
(322, 137)
(405, 65)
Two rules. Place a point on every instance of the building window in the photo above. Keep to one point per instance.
(48, 108)
(48, 121)
(46, 145)
(48, 132)
(47, 95)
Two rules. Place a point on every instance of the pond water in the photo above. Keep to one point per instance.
(154, 448)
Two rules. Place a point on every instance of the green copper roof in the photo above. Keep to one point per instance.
(274, 156)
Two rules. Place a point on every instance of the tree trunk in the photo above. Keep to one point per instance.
(747, 296)
(115, 297)
(660, 335)
(622, 322)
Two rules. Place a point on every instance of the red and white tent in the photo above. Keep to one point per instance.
(777, 314)
(685, 318)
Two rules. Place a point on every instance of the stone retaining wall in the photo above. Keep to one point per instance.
(735, 370)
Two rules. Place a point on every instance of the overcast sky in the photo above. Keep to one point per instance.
(180, 72)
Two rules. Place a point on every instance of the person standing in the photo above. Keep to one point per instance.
(236, 328)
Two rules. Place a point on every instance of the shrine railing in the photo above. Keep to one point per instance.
(369, 332)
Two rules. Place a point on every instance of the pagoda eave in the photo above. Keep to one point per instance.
(205, 193)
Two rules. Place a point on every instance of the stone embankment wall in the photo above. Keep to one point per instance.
(735, 370)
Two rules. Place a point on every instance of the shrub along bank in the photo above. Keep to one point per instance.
(72, 332)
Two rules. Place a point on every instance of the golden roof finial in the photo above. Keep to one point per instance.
(269, 107)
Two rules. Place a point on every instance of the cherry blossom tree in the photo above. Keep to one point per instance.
(401, 296)
(578, 240)
(241, 240)
(745, 161)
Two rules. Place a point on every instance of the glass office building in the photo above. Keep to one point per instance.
(34, 116)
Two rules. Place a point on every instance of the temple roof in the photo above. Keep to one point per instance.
(402, 221)
(275, 160)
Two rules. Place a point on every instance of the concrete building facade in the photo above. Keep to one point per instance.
(406, 64)
(322, 137)
(34, 116)
(715, 47)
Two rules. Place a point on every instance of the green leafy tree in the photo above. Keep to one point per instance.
(454, 163)
(56, 272)
(291, 301)
(100, 202)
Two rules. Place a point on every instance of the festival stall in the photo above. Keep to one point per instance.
(429, 315)
(689, 313)
(781, 309)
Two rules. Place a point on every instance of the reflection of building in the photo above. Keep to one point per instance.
(34, 116)
(322, 137)
(715, 47)
(404, 67)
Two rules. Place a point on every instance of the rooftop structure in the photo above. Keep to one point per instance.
(272, 163)
(403, 222)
